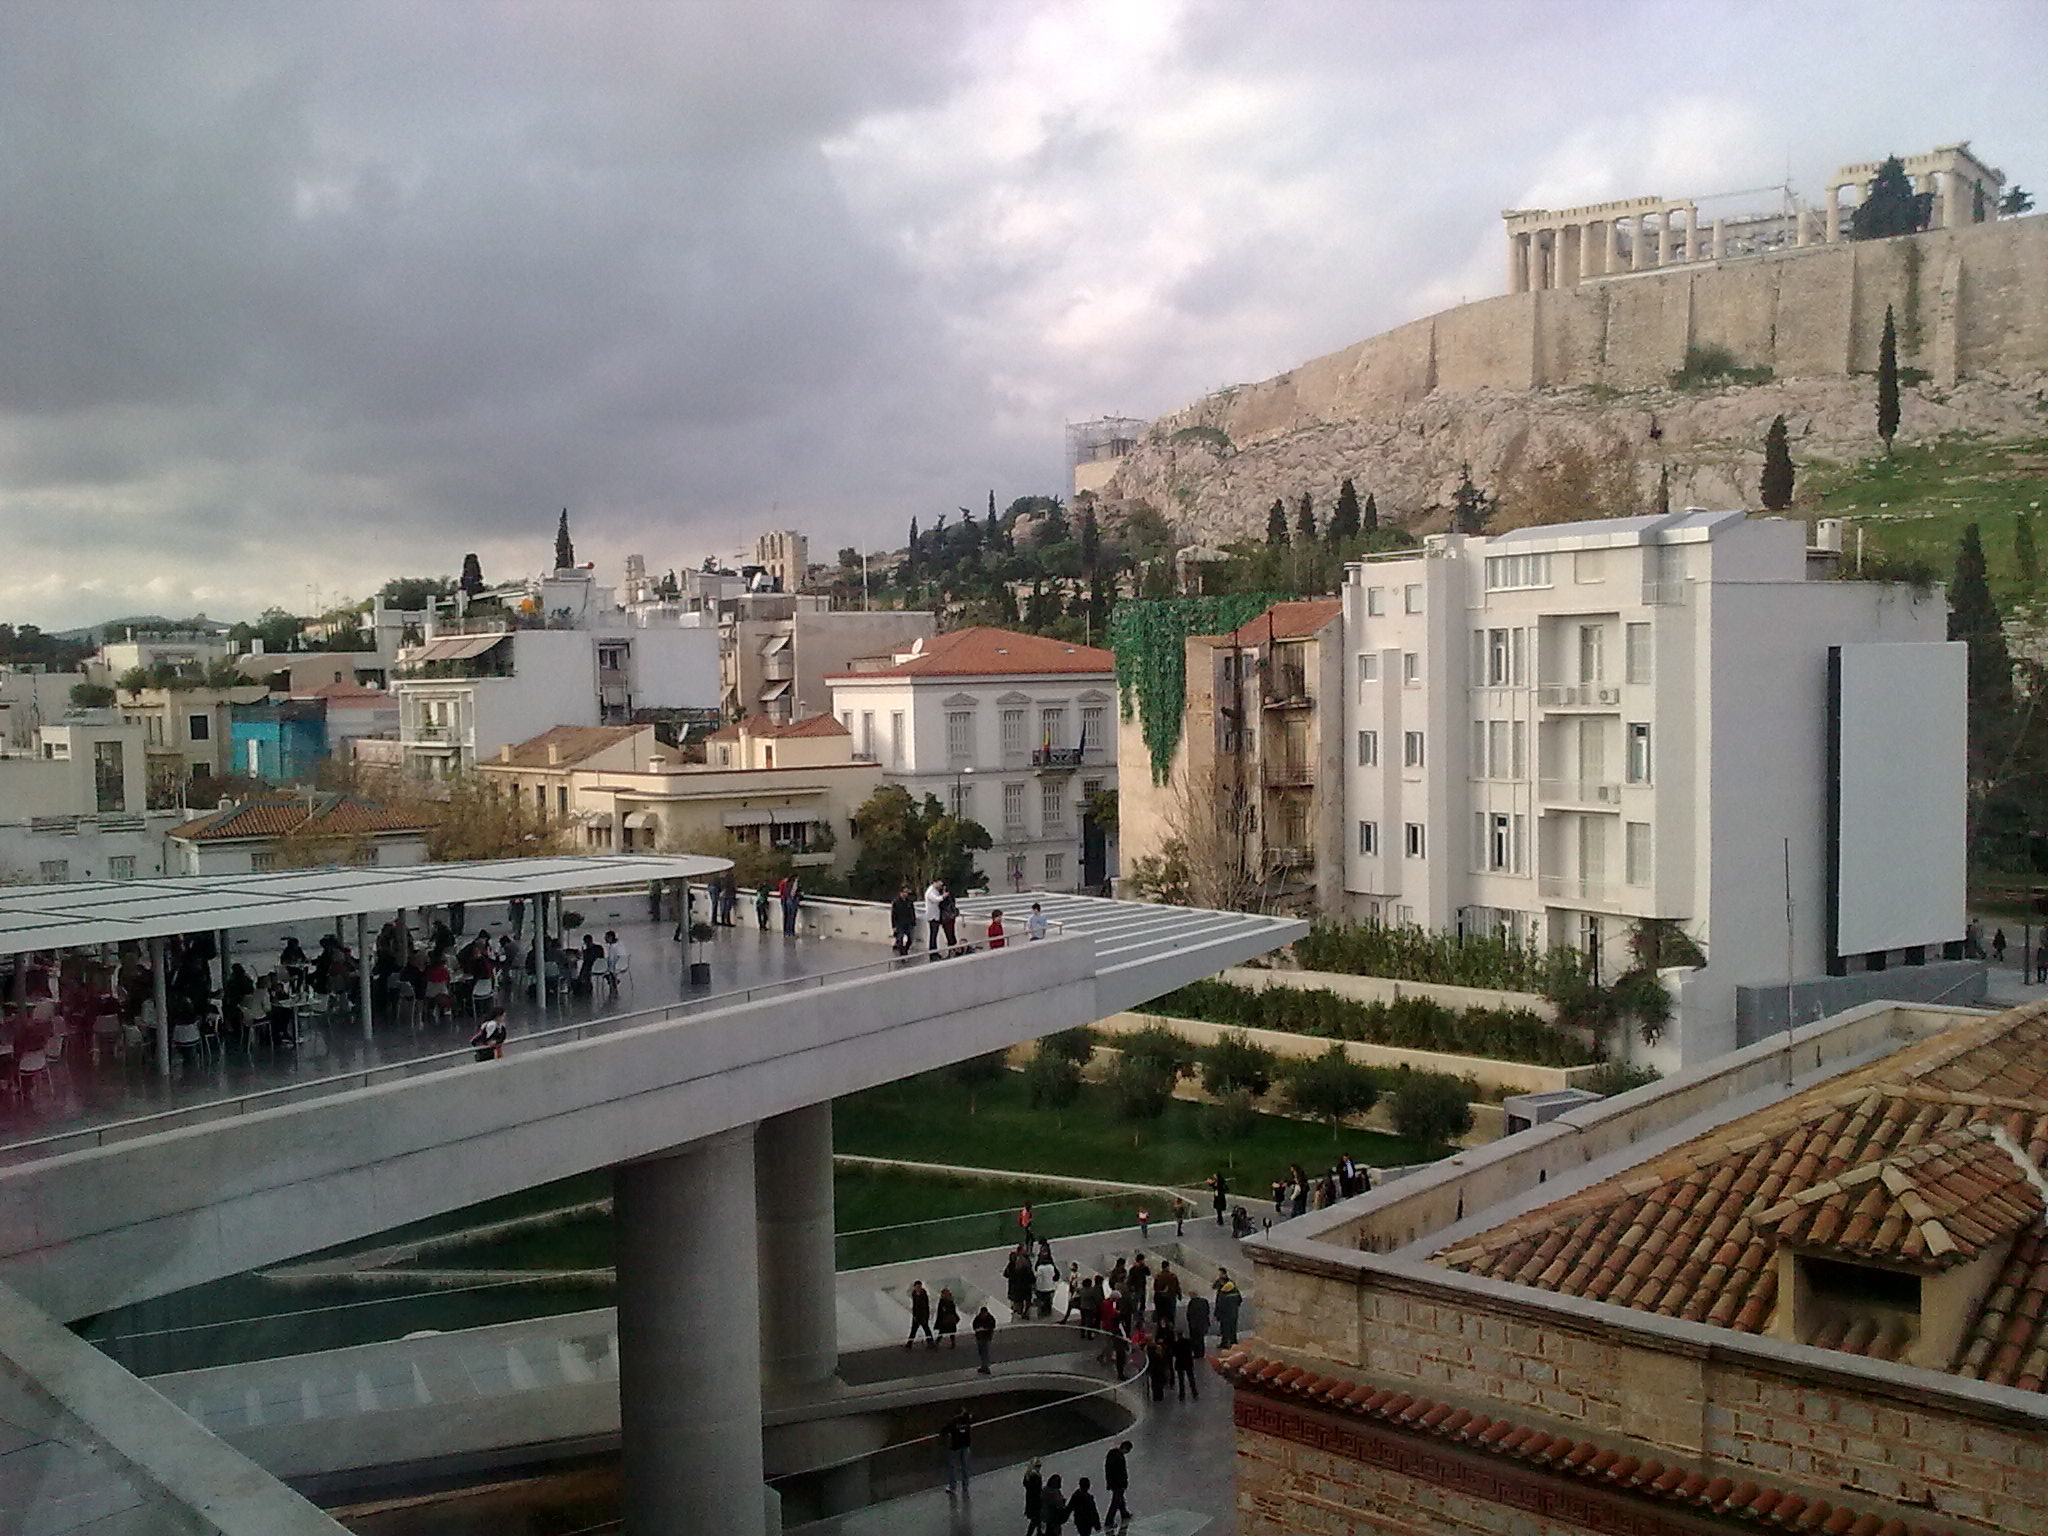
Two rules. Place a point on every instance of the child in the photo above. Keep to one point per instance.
(995, 929)
(489, 1039)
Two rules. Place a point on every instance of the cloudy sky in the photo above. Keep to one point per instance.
(298, 297)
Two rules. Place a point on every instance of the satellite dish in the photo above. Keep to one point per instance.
(917, 646)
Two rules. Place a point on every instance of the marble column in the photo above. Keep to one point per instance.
(1664, 237)
(1518, 265)
(1692, 232)
(793, 1243)
(1800, 221)
(1832, 230)
(1535, 262)
(689, 1324)
(1612, 260)
(1720, 239)
(1639, 243)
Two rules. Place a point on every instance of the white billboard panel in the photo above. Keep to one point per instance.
(1903, 721)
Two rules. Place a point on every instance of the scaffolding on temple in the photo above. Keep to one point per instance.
(1094, 449)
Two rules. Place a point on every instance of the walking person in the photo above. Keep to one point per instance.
(1228, 1300)
(792, 898)
(959, 1443)
(1076, 1295)
(995, 929)
(985, 1338)
(948, 1317)
(1221, 1198)
(920, 1316)
(933, 895)
(902, 920)
(1159, 1365)
(949, 917)
(761, 907)
(1116, 1477)
(1182, 1350)
(1081, 1507)
(1198, 1323)
(1034, 925)
(1052, 1507)
(1034, 1497)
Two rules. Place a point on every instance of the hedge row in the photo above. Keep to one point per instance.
(1412, 1023)
(1417, 954)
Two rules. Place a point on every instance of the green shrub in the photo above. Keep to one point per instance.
(1230, 1118)
(1708, 364)
(977, 1072)
(1076, 1045)
(1052, 1081)
(1158, 1046)
(1409, 953)
(1432, 1108)
(1139, 1088)
(1413, 1023)
(1639, 995)
(1331, 1087)
(1617, 1077)
(1235, 1064)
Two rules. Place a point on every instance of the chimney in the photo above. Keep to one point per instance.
(554, 753)
(505, 753)
(657, 764)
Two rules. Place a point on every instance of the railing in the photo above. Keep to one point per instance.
(1575, 887)
(1287, 688)
(1580, 792)
(1664, 594)
(1288, 773)
(60, 1142)
(1288, 858)
(1055, 757)
(1579, 696)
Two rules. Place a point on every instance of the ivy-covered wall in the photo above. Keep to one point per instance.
(1149, 640)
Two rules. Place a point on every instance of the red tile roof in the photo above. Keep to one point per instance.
(1613, 1467)
(1283, 621)
(349, 693)
(981, 651)
(1943, 1132)
(572, 744)
(283, 815)
(809, 726)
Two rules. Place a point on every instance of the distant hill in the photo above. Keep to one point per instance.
(93, 634)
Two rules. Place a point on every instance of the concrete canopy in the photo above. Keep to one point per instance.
(39, 917)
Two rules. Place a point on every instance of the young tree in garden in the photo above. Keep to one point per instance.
(1276, 525)
(1431, 1108)
(472, 575)
(1369, 521)
(1776, 491)
(1890, 206)
(1051, 1081)
(1888, 381)
(1139, 1089)
(1076, 1045)
(565, 551)
(1233, 1062)
(1330, 1087)
(1305, 519)
(2026, 558)
(1471, 508)
(977, 1072)
(1346, 520)
(1164, 1049)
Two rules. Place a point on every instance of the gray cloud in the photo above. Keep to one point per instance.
(301, 295)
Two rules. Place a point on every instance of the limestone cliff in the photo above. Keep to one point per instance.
(1508, 381)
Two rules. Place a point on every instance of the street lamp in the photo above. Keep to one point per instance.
(960, 776)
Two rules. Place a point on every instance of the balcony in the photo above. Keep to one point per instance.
(1664, 594)
(1289, 857)
(1287, 688)
(1577, 888)
(779, 668)
(1586, 792)
(1579, 696)
(1058, 759)
(1288, 773)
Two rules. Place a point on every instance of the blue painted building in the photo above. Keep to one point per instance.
(280, 742)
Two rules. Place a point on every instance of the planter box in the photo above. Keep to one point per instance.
(1383, 989)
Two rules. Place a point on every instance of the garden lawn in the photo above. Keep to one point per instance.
(927, 1120)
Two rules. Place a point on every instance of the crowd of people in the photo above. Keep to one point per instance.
(1299, 1193)
(939, 909)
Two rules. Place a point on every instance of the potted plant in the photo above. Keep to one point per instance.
(700, 970)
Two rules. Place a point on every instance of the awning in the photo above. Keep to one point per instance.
(752, 818)
(638, 820)
(774, 645)
(452, 648)
(775, 690)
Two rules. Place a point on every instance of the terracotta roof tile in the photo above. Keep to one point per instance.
(571, 743)
(1282, 621)
(1756, 1504)
(981, 651)
(1928, 1158)
(283, 815)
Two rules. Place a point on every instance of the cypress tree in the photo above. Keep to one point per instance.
(473, 575)
(1305, 519)
(1470, 506)
(1369, 521)
(1777, 482)
(1973, 617)
(1345, 521)
(1276, 525)
(565, 551)
(1091, 537)
(2026, 558)
(1888, 382)
(1663, 490)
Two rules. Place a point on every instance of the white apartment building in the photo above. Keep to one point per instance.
(73, 804)
(777, 650)
(1559, 732)
(564, 655)
(1014, 731)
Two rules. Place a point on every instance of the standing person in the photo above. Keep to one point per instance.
(792, 898)
(761, 906)
(1052, 1507)
(948, 1317)
(1139, 1278)
(949, 916)
(1229, 1299)
(959, 1442)
(1182, 1349)
(1091, 1308)
(1116, 1477)
(1034, 1497)
(1045, 1280)
(1017, 1277)
(1159, 1365)
(1034, 925)
(1221, 1198)
(1087, 1519)
(489, 1039)
(1076, 1294)
(1998, 946)
(933, 895)
(902, 920)
(1180, 1217)
(732, 899)
(995, 929)
(920, 1316)
(1024, 1221)
(1198, 1323)
(985, 1338)
(1166, 1295)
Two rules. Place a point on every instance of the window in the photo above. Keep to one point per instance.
(540, 799)
(1229, 737)
(867, 733)
(1013, 731)
(1500, 844)
(1368, 749)
(1052, 803)
(1411, 599)
(1411, 749)
(1052, 727)
(1411, 668)
(1519, 865)
(1055, 868)
(1014, 871)
(1498, 660)
(1404, 916)
(1508, 573)
(1592, 653)
(1515, 668)
(1094, 729)
(1412, 835)
(611, 658)
(369, 855)
(121, 867)
(1517, 768)
(562, 794)
(1368, 670)
(201, 728)
(1013, 806)
(959, 733)
(1638, 752)
(109, 785)
(262, 863)
(962, 800)
(1639, 653)
(1498, 764)
(56, 871)
(1589, 565)
(1375, 602)
(1369, 838)
(896, 740)
(1090, 788)
(1477, 766)
(1637, 852)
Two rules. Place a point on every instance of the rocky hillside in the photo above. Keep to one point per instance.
(1711, 439)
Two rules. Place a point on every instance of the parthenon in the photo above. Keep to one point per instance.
(1560, 247)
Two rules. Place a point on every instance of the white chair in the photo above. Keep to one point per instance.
(482, 993)
(33, 1067)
